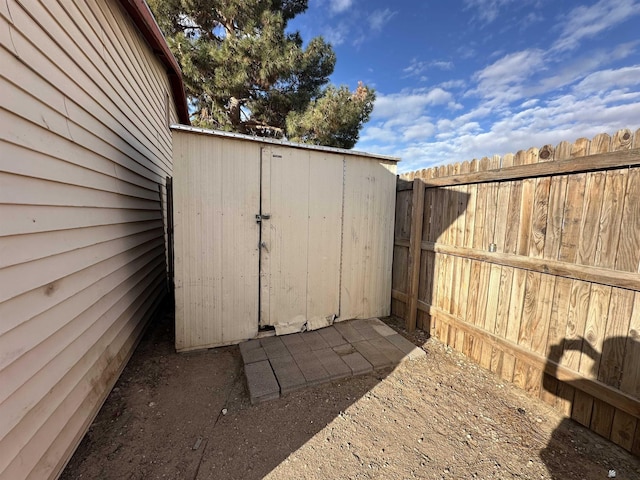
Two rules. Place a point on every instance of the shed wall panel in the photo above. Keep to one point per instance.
(300, 260)
(85, 149)
(323, 247)
(285, 189)
(216, 198)
(325, 236)
(367, 245)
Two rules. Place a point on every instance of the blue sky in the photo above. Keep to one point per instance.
(462, 79)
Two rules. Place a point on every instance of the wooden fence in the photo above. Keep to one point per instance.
(529, 265)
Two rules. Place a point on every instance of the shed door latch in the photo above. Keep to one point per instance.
(259, 217)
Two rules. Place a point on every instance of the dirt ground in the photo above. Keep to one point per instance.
(188, 416)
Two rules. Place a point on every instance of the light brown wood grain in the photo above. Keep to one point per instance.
(623, 429)
(563, 283)
(417, 216)
(604, 161)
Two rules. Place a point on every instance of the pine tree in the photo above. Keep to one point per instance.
(243, 72)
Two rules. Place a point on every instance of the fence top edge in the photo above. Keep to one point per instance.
(591, 163)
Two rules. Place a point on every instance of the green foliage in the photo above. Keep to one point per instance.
(334, 119)
(244, 73)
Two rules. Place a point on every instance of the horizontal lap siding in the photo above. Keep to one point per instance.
(84, 153)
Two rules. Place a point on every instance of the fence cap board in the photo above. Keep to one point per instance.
(591, 163)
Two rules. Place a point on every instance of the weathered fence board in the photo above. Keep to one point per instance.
(530, 265)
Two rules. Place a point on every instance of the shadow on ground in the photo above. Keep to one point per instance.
(188, 416)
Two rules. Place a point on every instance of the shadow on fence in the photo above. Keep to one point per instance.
(424, 214)
(617, 354)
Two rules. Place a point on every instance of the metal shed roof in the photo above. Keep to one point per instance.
(272, 141)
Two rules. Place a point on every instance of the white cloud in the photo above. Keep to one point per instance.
(411, 103)
(373, 134)
(379, 18)
(466, 51)
(453, 84)
(565, 117)
(417, 67)
(587, 21)
(442, 65)
(531, 18)
(420, 129)
(339, 6)
(510, 69)
(336, 34)
(610, 79)
(504, 81)
(601, 101)
(487, 10)
(520, 99)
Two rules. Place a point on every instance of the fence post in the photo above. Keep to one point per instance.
(415, 250)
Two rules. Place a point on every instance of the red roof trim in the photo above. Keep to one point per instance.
(139, 12)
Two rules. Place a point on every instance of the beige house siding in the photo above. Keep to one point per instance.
(84, 149)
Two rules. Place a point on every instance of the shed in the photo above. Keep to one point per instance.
(88, 90)
(277, 235)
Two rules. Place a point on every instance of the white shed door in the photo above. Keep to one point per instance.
(301, 238)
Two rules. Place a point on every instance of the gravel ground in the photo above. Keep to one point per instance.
(188, 416)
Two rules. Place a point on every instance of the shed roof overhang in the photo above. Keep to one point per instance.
(284, 143)
(142, 17)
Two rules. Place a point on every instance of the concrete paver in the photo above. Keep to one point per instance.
(289, 376)
(408, 348)
(368, 331)
(295, 343)
(388, 349)
(314, 340)
(332, 336)
(252, 352)
(374, 356)
(333, 364)
(385, 330)
(279, 365)
(345, 349)
(357, 363)
(261, 381)
(274, 347)
(313, 371)
(349, 332)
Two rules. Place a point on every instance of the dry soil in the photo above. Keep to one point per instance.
(188, 416)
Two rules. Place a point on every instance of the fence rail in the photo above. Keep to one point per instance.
(530, 265)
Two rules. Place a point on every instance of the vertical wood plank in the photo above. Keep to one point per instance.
(630, 382)
(569, 322)
(481, 269)
(623, 429)
(589, 229)
(492, 271)
(558, 302)
(635, 448)
(526, 296)
(415, 250)
(469, 228)
(506, 273)
(464, 264)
